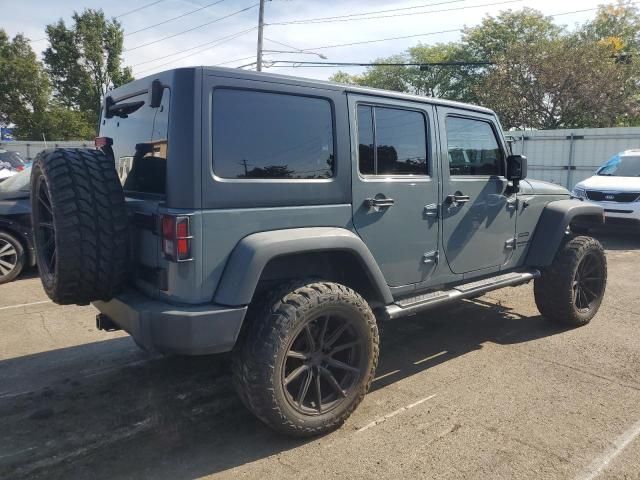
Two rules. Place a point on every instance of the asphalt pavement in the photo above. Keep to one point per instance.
(486, 389)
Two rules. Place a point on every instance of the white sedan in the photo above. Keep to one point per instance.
(615, 187)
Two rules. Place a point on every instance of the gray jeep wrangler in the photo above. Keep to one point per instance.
(282, 218)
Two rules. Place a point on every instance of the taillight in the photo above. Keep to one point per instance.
(101, 142)
(176, 238)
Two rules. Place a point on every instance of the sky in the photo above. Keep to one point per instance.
(223, 36)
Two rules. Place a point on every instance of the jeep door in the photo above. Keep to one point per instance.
(395, 188)
(478, 209)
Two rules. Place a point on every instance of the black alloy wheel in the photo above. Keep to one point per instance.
(588, 282)
(43, 229)
(323, 364)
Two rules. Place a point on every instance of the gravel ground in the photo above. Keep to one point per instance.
(484, 389)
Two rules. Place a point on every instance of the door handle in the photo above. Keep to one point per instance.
(457, 199)
(379, 202)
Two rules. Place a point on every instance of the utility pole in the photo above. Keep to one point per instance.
(260, 29)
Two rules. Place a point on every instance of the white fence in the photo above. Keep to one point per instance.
(566, 157)
(29, 149)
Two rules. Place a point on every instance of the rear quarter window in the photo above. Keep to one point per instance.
(264, 135)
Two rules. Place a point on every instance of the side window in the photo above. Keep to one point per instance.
(473, 148)
(365, 140)
(271, 135)
(391, 141)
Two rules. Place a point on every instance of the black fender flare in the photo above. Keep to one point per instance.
(552, 227)
(252, 253)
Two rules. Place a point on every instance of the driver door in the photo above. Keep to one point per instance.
(478, 209)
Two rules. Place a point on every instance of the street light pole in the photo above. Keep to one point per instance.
(260, 30)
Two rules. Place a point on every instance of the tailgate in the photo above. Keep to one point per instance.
(135, 133)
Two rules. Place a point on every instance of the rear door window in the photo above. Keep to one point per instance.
(262, 135)
(391, 141)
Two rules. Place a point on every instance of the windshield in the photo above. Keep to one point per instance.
(20, 181)
(625, 166)
(12, 158)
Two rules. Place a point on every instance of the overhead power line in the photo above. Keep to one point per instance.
(192, 28)
(402, 37)
(226, 62)
(209, 44)
(220, 41)
(283, 44)
(383, 64)
(312, 21)
(138, 9)
(323, 47)
(173, 18)
(371, 12)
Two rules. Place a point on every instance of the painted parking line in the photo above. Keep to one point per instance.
(25, 304)
(383, 419)
(618, 446)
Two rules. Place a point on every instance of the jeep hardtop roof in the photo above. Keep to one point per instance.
(312, 83)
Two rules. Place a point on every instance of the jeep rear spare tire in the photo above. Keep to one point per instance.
(80, 225)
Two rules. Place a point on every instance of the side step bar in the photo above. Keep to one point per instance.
(420, 303)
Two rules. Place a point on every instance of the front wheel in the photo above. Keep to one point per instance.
(570, 291)
(308, 357)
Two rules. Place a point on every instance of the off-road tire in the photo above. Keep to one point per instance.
(554, 290)
(17, 260)
(272, 326)
(90, 227)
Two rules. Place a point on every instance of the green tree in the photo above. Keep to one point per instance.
(490, 40)
(388, 77)
(561, 83)
(617, 26)
(24, 87)
(84, 61)
(452, 82)
(495, 36)
(58, 122)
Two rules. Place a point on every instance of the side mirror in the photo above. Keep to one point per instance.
(516, 168)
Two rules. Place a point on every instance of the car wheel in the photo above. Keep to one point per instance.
(12, 257)
(571, 290)
(308, 357)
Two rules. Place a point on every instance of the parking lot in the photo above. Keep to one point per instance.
(487, 389)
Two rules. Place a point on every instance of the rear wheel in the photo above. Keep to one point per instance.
(571, 290)
(308, 358)
(12, 257)
(80, 226)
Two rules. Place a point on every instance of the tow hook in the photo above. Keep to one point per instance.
(105, 323)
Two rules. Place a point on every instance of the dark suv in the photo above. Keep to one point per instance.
(283, 219)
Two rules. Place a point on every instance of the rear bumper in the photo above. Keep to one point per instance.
(166, 328)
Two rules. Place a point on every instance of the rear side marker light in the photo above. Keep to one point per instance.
(176, 238)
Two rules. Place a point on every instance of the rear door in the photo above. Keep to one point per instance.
(478, 210)
(140, 142)
(394, 184)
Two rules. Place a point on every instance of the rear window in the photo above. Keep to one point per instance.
(140, 143)
(260, 135)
